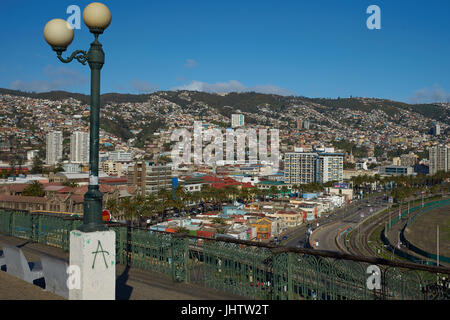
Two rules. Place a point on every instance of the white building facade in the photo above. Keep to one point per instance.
(79, 147)
(54, 145)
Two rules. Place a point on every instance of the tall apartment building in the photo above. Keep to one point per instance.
(306, 124)
(54, 146)
(331, 167)
(436, 129)
(318, 166)
(439, 159)
(79, 147)
(300, 167)
(150, 177)
(237, 120)
(408, 160)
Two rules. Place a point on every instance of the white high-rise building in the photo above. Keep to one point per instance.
(54, 147)
(237, 120)
(439, 159)
(331, 167)
(79, 147)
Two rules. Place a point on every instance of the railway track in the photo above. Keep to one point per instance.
(359, 237)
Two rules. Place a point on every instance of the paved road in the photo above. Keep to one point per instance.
(327, 234)
(331, 224)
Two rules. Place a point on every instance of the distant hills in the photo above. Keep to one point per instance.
(250, 101)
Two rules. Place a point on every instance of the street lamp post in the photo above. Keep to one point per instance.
(59, 35)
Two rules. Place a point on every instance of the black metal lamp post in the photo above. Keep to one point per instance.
(59, 34)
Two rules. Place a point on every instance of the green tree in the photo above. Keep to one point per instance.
(37, 165)
(35, 189)
(182, 230)
(113, 206)
(128, 208)
(219, 221)
(273, 191)
(71, 184)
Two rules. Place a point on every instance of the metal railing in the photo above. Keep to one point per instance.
(248, 269)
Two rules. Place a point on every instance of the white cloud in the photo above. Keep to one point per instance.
(191, 63)
(57, 79)
(142, 87)
(232, 86)
(430, 95)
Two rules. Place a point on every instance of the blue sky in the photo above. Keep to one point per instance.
(318, 48)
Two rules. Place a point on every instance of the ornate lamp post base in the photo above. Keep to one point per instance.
(94, 255)
(92, 220)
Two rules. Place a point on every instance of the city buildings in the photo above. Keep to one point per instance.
(54, 147)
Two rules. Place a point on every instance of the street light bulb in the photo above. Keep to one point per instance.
(58, 33)
(97, 16)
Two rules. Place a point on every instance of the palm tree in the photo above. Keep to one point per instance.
(253, 193)
(35, 189)
(19, 163)
(128, 208)
(295, 188)
(72, 184)
(244, 194)
(113, 206)
(12, 164)
(194, 197)
(206, 193)
(182, 230)
(219, 221)
(273, 190)
(180, 198)
(284, 189)
(265, 193)
(150, 208)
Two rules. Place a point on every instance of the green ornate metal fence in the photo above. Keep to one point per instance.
(248, 269)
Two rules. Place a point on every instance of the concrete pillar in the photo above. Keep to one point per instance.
(94, 253)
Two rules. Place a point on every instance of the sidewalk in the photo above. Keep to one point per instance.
(12, 288)
(132, 283)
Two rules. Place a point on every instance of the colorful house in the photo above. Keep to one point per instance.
(263, 228)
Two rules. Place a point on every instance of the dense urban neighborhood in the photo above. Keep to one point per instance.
(331, 153)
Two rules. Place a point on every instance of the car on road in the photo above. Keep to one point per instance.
(284, 238)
